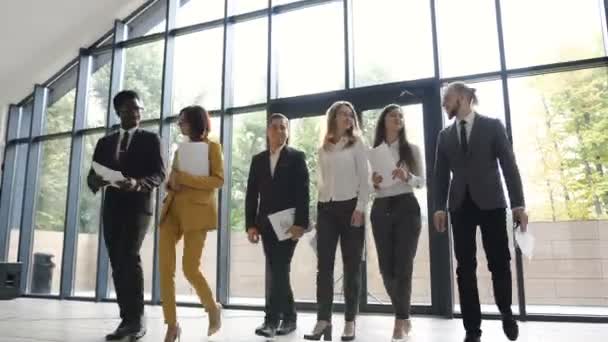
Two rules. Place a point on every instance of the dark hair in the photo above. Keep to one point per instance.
(124, 96)
(198, 119)
(276, 116)
(406, 155)
(469, 92)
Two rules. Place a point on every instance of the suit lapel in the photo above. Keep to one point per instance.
(265, 167)
(454, 141)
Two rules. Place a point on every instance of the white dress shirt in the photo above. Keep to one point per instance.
(470, 120)
(274, 158)
(344, 173)
(416, 180)
(122, 134)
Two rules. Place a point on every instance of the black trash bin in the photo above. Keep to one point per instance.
(42, 276)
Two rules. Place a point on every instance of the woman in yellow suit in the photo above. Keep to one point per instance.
(190, 211)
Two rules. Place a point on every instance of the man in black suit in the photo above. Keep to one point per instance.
(128, 206)
(278, 180)
(471, 149)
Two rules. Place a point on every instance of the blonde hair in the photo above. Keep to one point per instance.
(353, 134)
(462, 88)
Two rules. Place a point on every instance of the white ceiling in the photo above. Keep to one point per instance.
(39, 37)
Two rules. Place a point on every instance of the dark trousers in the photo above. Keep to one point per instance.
(496, 245)
(396, 226)
(124, 234)
(333, 224)
(280, 303)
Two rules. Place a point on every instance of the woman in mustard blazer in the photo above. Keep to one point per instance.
(189, 211)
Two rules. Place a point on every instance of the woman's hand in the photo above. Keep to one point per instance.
(357, 218)
(402, 173)
(173, 184)
(376, 179)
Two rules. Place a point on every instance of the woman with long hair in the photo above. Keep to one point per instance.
(190, 211)
(343, 195)
(395, 215)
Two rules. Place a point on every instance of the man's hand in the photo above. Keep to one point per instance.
(253, 235)
(402, 173)
(376, 180)
(520, 216)
(296, 232)
(98, 181)
(440, 219)
(128, 184)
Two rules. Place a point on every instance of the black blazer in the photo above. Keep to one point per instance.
(144, 163)
(289, 188)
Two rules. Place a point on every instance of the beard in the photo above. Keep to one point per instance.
(452, 112)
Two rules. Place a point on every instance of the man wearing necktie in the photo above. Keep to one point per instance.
(128, 206)
(471, 150)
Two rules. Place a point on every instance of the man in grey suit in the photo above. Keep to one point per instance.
(471, 149)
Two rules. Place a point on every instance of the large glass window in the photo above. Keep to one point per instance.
(311, 60)
(478, 29)
(99, 89)
(193, 12)
(244, 6)
(89, 210)
(16, 201)
(546, 31)
(246, 270)
(249, 63)
(392, 41)
(50, 215)
(60, 107)
(559, 123)
(198, 70)
(144, 74)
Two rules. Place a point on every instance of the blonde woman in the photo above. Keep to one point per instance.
(343, 194)
(190, 212)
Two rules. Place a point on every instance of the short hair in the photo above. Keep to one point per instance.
(198, 119)
(464, 89)
(276, 116)
(124, 96)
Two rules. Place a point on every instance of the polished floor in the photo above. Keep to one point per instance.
(40, 320)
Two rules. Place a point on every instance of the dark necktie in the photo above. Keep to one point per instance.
(464, 144)
(122, 151)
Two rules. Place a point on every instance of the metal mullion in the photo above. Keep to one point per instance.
(223, 235)
(70, 242)
(116, 78)
(164, 130)
(558, 67)
(245, 109)
(349, 52)
(31, 185)
(8, 178)
(505, 91)
(141, 40)
(196, 27)
(299, 5)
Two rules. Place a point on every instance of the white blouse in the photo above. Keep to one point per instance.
(344, 173)
(416, 180)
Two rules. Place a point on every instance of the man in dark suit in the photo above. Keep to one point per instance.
(128, 206)
(471, 149)
(278, 180)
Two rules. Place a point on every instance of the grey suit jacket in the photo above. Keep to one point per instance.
(477, 169)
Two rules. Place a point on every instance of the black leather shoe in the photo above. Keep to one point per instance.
(472, 338)
(125, 330)
(286, 327)
(267, 330)
(509, 326)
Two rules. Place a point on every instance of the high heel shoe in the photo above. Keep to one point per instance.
(349, 337)
(173, 334)
(317, 333)
(215, 320)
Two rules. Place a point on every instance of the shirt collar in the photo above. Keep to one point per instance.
(130, 130)
(278, 151)
(468, 118)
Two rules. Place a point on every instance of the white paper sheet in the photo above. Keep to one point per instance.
(525, 241)
(281, 221)
(382, 163)
(193, 158)
(106, 173)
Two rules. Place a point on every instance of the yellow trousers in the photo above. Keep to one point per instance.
(170, 233)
